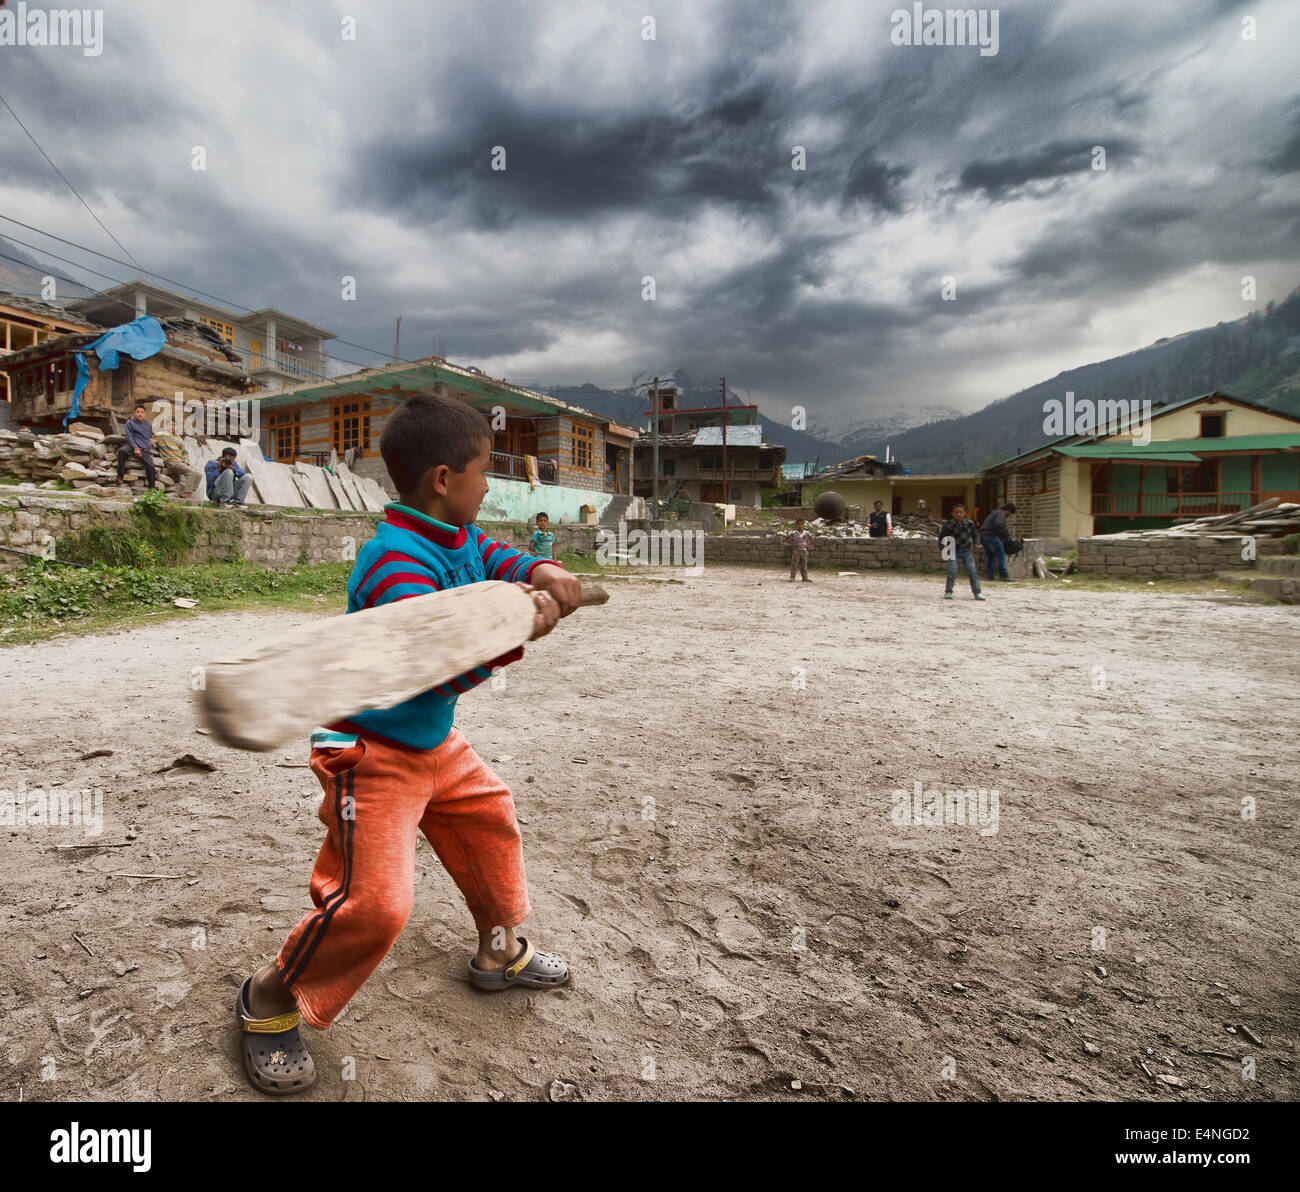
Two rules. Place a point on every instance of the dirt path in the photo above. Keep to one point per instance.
(763, 921)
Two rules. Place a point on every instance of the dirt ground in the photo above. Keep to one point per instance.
(763, 923)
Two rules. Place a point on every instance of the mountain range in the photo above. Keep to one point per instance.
(1256, 357)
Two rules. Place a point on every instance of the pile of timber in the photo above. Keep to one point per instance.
(1269, 519)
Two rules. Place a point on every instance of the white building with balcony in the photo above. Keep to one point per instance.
(278, 349)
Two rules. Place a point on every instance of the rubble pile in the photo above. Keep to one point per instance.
(83, 458)
(851, 529)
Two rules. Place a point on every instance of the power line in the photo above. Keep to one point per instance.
(213, 297)
(238, 306)
(341, 382)
(66, 183)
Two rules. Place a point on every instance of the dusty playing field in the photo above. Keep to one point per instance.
(762, 922)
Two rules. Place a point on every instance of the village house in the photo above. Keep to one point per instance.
(1195, 457)
(864, 480)
(691, 466)
(674, 419)
(193, 360)
(548, 456)
(274, 348)
(25, 322)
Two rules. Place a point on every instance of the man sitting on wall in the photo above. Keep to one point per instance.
(139, 442)
(228, 483)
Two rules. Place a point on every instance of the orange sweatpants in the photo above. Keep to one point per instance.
(377, 794)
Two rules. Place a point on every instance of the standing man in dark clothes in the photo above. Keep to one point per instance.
(879, 523)
(994, 536)
(957, 542)
(139, 442)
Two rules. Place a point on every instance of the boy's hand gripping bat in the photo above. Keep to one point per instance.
(328, 670)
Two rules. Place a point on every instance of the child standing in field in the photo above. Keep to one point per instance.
(543, 541)
(388, 773)
(798, 539)
(957, 538)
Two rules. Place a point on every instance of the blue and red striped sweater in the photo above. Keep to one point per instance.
(412, 555)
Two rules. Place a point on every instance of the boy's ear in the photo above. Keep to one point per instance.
(434, 481)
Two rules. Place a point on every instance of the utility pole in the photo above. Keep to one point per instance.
(397, 341)
(654, 471)
(726, 492)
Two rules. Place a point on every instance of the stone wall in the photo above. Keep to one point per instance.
(1188, 556)
(28, 521)
(851, 554)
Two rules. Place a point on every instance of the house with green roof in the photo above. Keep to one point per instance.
(1195, 457)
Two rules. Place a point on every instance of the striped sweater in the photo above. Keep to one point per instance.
(412, 555)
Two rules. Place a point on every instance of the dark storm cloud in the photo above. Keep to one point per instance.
(1002, 177)
(874, 182)
(1287, 161)
(671, 158)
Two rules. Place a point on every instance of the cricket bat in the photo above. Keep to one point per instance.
(330, 669)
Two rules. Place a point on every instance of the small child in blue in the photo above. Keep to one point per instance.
(543, 541)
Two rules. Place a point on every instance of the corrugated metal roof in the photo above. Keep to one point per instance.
(737, 436)
(1183, 447)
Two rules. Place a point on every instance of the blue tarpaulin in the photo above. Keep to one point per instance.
(83, 379)
(139, 339)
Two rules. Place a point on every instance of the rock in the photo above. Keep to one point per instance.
(186, 761)
(563, 1091)
(1091, 1048)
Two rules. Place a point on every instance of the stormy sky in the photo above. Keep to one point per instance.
(628, 157)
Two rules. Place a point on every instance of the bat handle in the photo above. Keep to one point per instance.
(592, 594)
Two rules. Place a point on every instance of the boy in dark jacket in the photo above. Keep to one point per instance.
(957, 544)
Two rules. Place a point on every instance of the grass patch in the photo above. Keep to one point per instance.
(162, 533)
(44, 599)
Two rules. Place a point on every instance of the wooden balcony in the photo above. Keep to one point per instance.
(1170, 504)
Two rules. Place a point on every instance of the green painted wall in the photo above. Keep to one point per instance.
(1280, 472)
(1234, 474)
(513, 500)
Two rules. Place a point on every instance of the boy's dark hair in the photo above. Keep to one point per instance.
(543, 515)
(1009, 507)
(959, 505)
(138, 406)
(230, 451)
(428, 430)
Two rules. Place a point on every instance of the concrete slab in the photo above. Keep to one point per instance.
(373, 492)
(339, 493)
(274, 481)
(349, 481)
(313, 486)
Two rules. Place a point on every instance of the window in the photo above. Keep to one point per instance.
(225, 330)
(1202, 478)
(350, 425)
(285, 430)
(668, 467)
(1212, 426)
(584, 446)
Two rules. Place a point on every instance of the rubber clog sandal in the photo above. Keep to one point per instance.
(275, 1056)
(532, 969)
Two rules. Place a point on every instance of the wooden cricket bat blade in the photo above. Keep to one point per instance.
(328, 670)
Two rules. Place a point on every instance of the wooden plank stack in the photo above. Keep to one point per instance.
(1269, 519)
